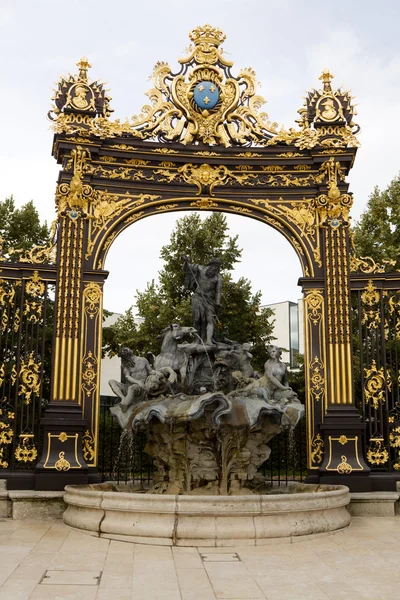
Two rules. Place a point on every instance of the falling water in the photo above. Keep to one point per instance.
(126, 443)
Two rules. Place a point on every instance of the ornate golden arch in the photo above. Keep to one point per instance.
(264, 214)
(203, 144)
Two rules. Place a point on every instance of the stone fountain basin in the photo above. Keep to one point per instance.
(106, 510)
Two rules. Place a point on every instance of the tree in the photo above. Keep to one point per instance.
(241, 317)
(20, 228)
(377, 233)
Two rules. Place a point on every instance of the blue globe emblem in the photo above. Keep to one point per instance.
(73, 214)
(335, 222)
(206, 95)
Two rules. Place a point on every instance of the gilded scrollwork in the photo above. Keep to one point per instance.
(371, 315)
(377, 453)
(88, 446)
(370, 296)
(344, 468)
(92, 295)
(332, 112)
(317, 450)
(105, 207)
(367, 265)
(62, 464)
(203, 103)
(376, 384)
(314, 301)
(29, 378)
(26, 450)
(75, 195)
(35, 285)
(204, 203)
(317, 379)
(7, 421)
(205, 177)
(89, 374)
(166, 207)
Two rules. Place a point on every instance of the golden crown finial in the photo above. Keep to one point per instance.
(83, 65)
(326, 77)
(207, 34)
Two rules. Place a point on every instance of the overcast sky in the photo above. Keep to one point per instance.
(287, 42)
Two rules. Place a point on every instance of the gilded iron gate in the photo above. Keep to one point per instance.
(26, 317)
(376, 353)
(201, 145)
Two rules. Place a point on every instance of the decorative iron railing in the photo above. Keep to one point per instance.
(376, 353)
(26, 317)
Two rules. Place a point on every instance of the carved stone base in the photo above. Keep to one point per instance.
(195, 458)
(62, 462)
(343, 462)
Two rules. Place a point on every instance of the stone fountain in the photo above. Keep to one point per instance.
(208, 418)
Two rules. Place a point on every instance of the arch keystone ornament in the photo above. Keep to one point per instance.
(202, 142)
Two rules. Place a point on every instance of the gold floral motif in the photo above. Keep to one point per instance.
(377, 453)
(26, 451)
(317, 379)
(124, 173)
(63, 437)
(6, 433)
(135, 217)
(273, 168)
(249, 154)
(317, 452)
(35, 286)
(3, 463)
(92, 294)
(89, 374)
(302, 167)
(136, 162)
(33, 310)
(88, 446)
(62, 464)
(29, 377)
(165, 150)
(241, 209)
(394, 437)
(108, 159)
(17, 320)
(7, 293)
(208, 176)
(244, 168)
(370, 295)
(367, 265)
(207, 153)
(204, 204)
(166, 207)
(343, 467)
(375, 385)
(343, 440)
(290, 154)
(314, 301)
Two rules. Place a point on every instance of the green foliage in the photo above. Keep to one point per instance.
(165, 302)
(201, 241)
(297, 378)
(20, 228)
(377, 234)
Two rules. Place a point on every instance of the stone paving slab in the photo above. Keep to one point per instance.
(359, 563)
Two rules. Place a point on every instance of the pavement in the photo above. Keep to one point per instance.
(46, 560)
